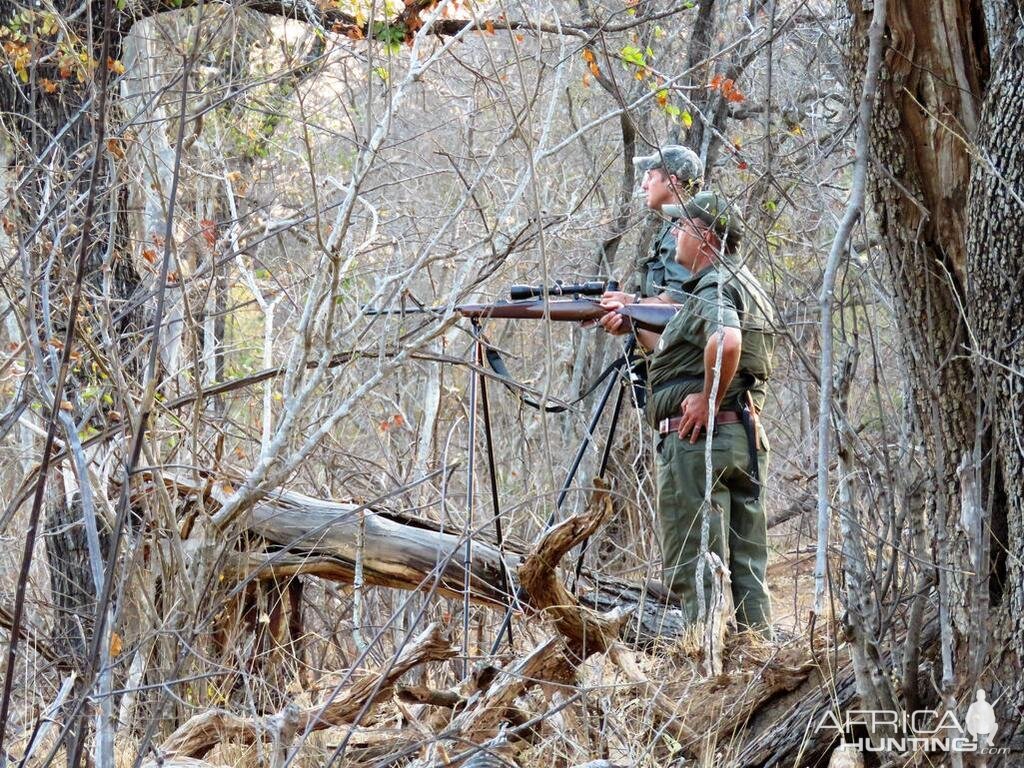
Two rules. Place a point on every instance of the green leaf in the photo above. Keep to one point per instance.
(687, 118)
(381, 72)
(391, 35)
(633, 55)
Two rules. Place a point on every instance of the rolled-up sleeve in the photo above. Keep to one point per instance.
(716, 310)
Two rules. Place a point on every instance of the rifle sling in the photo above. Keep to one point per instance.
(497, 364)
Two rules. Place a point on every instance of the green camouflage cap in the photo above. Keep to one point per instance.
(712, 209)
(679, 161)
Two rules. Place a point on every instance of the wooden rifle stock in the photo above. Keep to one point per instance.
(650, 317)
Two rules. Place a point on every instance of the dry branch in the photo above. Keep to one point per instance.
(585, 631)
(554, 660)
(200, 734)
(547, 663)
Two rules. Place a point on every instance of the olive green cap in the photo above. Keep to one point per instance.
(712, 209)
(677, 160)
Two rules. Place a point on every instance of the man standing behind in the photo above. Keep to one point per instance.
(724, 304)
(671, 176)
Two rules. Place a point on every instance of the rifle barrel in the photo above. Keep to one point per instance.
(535, 309)
(366, 310)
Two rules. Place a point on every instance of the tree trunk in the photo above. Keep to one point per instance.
(995, 264)
(947, 192)
(927, 109)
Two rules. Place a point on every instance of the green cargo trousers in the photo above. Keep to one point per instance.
(738, 528)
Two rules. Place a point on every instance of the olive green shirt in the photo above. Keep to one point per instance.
(680, 351)
(659, 273)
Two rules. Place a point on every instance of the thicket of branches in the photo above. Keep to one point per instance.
(236, 505)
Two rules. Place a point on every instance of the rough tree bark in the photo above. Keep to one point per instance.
(947, 195)
(927, 108)
(995, 266)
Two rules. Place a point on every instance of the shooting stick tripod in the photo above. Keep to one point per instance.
(479, 381)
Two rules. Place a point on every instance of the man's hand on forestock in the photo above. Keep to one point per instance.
(612, 321)
(694, 409)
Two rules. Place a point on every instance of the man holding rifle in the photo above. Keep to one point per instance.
(723, 305)
(671, 176)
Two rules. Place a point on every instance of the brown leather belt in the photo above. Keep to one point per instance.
(668, 426)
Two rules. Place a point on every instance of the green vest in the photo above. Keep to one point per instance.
(659, 272)
(680, 352)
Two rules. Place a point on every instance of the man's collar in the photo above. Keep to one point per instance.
(696, 277)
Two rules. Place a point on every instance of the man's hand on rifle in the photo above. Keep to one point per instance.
(612, 321)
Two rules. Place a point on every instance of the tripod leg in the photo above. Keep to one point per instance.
(613, 380)
(489, 441)
(467, 558)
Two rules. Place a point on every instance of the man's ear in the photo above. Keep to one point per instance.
(712, 240)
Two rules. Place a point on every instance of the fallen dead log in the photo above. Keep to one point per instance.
(793, 735)
(318, 537)
(201, 733)
(720, 708)
(311, 536)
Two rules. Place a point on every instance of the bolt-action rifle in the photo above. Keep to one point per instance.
(558, 302)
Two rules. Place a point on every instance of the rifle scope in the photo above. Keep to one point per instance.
(593, 288)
